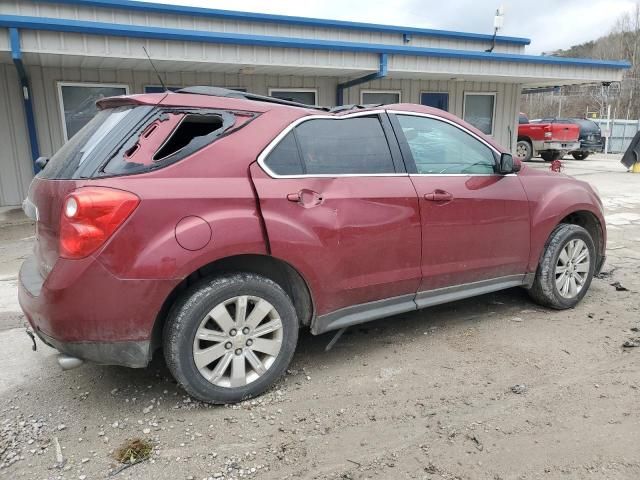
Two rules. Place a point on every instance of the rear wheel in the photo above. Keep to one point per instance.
(550, 155)
(566, 269)
(524, 150)
(580, 155)
(230, 338)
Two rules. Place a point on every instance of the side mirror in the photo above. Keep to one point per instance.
(508, 164)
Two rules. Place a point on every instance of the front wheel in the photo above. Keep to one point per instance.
(566, 268)
(524, 150)
(228, 339)
(580, 155)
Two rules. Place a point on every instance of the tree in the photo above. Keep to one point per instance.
(622, 43)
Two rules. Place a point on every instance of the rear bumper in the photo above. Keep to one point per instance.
(126, 354)
(587, 146)
(81, 309)
(556, 145)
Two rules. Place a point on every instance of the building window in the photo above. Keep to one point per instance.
(379, 97)
(435, 100)
(308, 96)
(479, 110)
(78, 103)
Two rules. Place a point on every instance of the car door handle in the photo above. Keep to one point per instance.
(438, 196)
(305, 198)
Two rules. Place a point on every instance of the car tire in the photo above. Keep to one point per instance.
(550, 155)
(562, 266)
(211, 366)
(524, 150)
(580, 155)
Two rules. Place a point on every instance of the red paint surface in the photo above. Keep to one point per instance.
(482, 232)
(193, 233)
(560, 132)
(360, 243)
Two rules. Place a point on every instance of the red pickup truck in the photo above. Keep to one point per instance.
(550, 140)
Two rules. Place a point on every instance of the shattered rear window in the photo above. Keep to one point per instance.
(167, 138)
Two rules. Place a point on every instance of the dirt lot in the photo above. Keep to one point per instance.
(425, 395)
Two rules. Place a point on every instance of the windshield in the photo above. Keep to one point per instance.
(88, 148)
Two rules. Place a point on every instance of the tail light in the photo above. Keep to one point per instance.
(89, 217)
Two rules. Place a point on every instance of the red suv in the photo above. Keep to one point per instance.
(215, 224)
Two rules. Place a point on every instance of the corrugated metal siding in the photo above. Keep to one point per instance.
(15, 157)
(122, 16)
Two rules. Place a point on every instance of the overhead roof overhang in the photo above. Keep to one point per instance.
(167, 9)
(362, 58)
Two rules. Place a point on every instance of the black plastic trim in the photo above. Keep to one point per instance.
(366, 312)
(125, 354)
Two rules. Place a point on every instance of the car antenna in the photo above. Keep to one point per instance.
(155, 69)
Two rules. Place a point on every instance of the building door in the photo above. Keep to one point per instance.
(475, 222)
(435, 100)
(338, 206)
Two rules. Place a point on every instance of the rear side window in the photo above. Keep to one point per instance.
(333, 147)
(285, 159)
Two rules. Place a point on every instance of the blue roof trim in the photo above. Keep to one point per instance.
(174, 34)
(286, 19)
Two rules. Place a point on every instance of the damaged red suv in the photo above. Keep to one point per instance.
(215, 224)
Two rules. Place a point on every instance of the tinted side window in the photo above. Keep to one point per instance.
(284, 159)
(344, 146)
(438, 147)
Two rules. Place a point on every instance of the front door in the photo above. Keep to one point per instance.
(339, 207)
(475, 222)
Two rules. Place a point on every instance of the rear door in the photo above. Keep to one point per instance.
(475, 222)
(339, 206)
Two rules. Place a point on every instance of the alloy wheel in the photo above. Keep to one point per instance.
(238, 341)
(572, 268)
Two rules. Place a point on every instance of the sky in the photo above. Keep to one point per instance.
(550, 24)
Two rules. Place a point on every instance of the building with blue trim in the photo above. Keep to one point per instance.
(58, 56)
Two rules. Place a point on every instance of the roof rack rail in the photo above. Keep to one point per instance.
(353, 106)
(226, 92)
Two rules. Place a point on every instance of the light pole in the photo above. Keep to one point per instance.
(607, 132)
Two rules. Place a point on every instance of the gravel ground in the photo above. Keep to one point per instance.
(494, 387)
